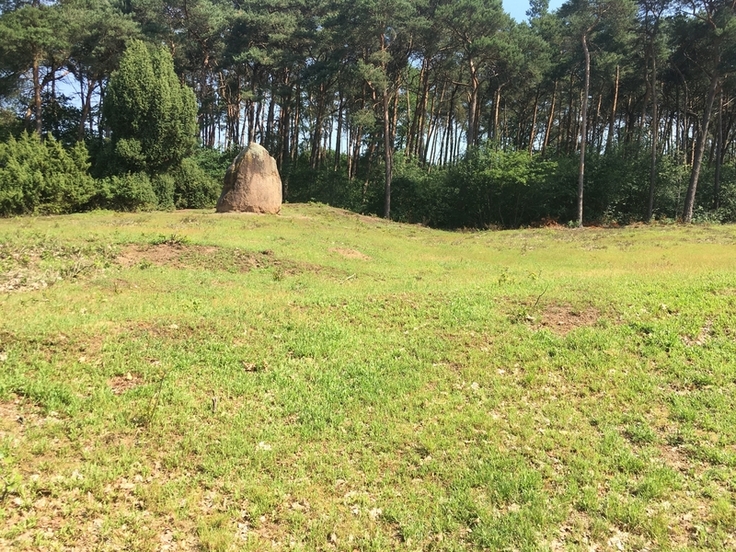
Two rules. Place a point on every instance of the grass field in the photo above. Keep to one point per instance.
(326, 381)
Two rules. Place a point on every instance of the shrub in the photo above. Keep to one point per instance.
(334, 188)
(42, 177)
(193, 187)
(131, 192)
(214, 162)
(492, 187)
(163, 186)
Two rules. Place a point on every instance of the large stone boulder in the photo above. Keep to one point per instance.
(252, 183)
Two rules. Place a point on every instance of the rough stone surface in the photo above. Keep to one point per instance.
(252, 183)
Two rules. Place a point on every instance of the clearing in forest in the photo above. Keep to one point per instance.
(325, 381)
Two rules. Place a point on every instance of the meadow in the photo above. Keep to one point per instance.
(321, 380)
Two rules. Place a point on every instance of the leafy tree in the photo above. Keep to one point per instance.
(151, 116)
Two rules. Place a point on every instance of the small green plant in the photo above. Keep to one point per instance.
(176, 240)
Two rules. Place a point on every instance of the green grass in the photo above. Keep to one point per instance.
(325, 381)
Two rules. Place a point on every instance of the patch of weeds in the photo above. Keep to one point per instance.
(628, 513)
(620, 456)
(39, 263)
(196, 220)
(723, 513)
(174, 240)
(639, 433)
(180, 255)
(657, 483)
(47, 394)
(78, 267)
(215, 533)
(146, 417)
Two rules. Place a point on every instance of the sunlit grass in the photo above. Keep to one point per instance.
(325, 381)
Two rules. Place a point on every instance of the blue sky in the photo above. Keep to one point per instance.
(518, 8)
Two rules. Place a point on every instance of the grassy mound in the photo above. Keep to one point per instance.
(326, 381)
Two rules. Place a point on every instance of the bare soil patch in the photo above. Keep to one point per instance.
(160, 255)
(184, 256)
(12, 419)
(121, 384)
(25, 280)
(27, 268)
(562, 319)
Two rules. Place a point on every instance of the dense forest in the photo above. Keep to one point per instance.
(445, 112)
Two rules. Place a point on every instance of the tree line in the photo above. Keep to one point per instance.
(439, 111)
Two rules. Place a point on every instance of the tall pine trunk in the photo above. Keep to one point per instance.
(719, 154)
(583, 128)
(687, 215)
(655, 132)
(614, 106)
(550, 120)
(388, 155)
(37, 94)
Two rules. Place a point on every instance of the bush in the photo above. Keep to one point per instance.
(418, 196)
(705, 197)
(334, 188)
(193, 187)
(131, 192)
(492, 187)
(214, 162)
(42, 177)
(163, 186)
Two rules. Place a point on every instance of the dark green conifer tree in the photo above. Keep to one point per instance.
(151, 116)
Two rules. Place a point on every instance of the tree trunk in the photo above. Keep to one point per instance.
(318, 129)
(430, 148)
(338, 137)
(496, 112)
(593, 124)
(687, 215)
(414, 138)
(294, 145)
(583, 129)
(268, 140)
(37, 95)
(472, 137)
(569, 148)
(719, 154)
(614, 106)
(86, 107)
(258, 123)
(550, 120)
(655, 129)
(445, 151)
(422, 138)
